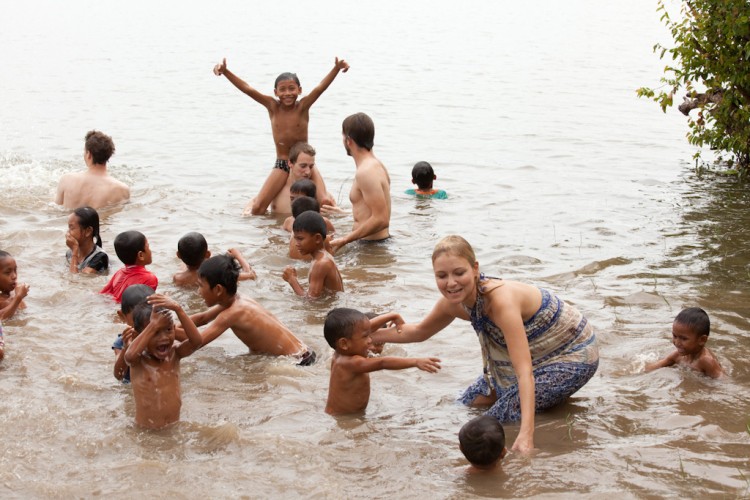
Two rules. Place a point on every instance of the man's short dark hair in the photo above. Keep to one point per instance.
(360, 129)
(100, 145)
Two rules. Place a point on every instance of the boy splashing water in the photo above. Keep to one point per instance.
(289, 120)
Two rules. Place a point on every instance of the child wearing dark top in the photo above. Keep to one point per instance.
(133, 250)
(85, 254)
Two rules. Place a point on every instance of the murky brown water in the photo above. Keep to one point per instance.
(557, 174)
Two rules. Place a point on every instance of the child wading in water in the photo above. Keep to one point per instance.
(11, 292)
(289, 120)
(690, 331)
(85, 254)
(154, 361)
(348, 332)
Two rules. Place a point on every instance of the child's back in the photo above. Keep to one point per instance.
(423, 175)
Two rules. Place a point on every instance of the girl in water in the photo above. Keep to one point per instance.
(85, 254)
(536, 349)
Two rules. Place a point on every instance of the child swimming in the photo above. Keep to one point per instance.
(482, 441)
(423, 175)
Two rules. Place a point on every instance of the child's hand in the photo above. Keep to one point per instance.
(160, 318)
(341, 65)
(22, 290)
(127, 336)
(220, 68)
(398, 322)
(431, 365)
(71, 242)
(290, 273)
(158, 300)
(332, 210)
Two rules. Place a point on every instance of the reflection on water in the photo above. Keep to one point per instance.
(556, 174)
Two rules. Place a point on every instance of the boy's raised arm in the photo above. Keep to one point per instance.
(221, 69)
(309, 99)
(194, 340)
(247, 271)
(158, 320)
(360, 364)
(12, 305)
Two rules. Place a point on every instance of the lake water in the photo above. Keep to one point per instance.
(556, 172)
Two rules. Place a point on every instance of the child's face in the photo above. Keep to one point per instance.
(360, 341)
(74, 227)
(303, 168)
(686, 341)
(293, 195)
(8, 275)
(306, 242)
(208, 294)
(161, 343)
(144, 256)
(287, 91)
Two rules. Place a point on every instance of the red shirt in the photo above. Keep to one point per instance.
(129, 275)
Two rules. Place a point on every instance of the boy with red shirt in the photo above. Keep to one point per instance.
(132, 249)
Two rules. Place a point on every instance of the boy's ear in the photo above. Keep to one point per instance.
(413, 181)
(434, 177)
(343, 344)
(121, 316)
(178, 255)
(318, 238)
(703, 339)
(208, 254)
(504, 452)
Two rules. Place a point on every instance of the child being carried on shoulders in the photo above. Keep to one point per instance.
(348, 332)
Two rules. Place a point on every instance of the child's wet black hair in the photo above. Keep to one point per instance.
(221, 270)
(340, 323)
(286, 76)
(88, 217)
(192, 248)
(304, 186)
(303, 204)
(134, 295)
(696, 319)
(482, 440)
(142, 315)
(127, 246)
(422, 175)
(310, 222)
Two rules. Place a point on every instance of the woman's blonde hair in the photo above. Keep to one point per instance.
(454, 245)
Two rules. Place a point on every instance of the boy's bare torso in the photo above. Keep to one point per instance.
(288, 126)
(705, 362)
(323, 261)
(258, 329)
(348, 392)
(156, 387)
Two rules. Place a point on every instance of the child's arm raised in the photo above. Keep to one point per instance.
(663, 363)
(383, 319)
(266, 100)
(290, 276)
(247, 271)
(360, 364)
(120, 365)
(309, 99)
(10, 307)
(158, 320)
(194, 340)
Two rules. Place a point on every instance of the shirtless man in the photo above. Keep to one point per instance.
(94, 187)
(371, 191)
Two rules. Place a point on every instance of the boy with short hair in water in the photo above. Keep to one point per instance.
(690, 331)
(482, 441)
(289, 120)
(132, 249)
(133, 296)
(94, 187)
(423, 175)
(256, 327)
(154, 360)
(192, 250)
(11, 292)
(310, 238)
(299, 206)
(348, 332)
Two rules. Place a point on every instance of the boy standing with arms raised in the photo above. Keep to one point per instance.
(371, 191)
(289, 121)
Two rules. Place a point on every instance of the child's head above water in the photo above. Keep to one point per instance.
(304, 204)
(341, 323)
(132, 248)
(286, 77)
(100, 145)
(303, 187)
(131, 297)
(86, 218)
(221, 270)
(192, 249)
(422, 175)
(310, 222)
(482, 441)
(695, 319)
(8, 272)
(690, 331)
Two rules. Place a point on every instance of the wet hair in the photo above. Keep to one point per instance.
(127, 246)
(4, 254)
(100, 145)
(310, 222)
(422, 175)
(300, 147)
(340, 323)
(359, 128)
(134, 295)
(696, 319)
(286, 76)
(142, 315)
(482, 440)
(192, 248)
(88, 217)
(304, 186)
(221, 270)
(304, 204)
(454, 245)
